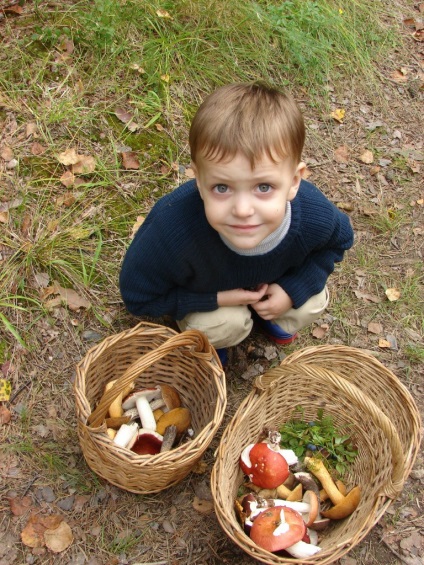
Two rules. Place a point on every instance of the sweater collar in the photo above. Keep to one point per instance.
(270, 242)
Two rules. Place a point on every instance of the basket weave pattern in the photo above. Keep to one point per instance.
(148, 355)
(357, 391)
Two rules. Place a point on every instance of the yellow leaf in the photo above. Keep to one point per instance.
(165, 78)
(5, 390)
(367, 157)
(68, 157)
(393, 294)
(338, 114)
(164, 14)
(59, 539)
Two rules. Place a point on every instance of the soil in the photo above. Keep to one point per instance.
(111, 526)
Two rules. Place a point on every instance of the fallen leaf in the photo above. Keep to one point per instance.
(164, 14)
(68, 157)
(60, 538)
(393, 294)
(85, 165)
(123, 115)
(341, 154)
(318, 332)
(66, 199)
(338, 114)
(37, 148)
(367, 297)
(4, 217)
(67, 179)
(399, 76)
(32, 534)
(203, 506)
(200, 468)
(5, 415)
(138, 223)
(375, 328)
(31, 129)
(5, 390)
(384, 344)
(130, 160)
(367, 157)
(66, 295)
(6, 153)
(20, 506)
(348, 206)
(189, 173)
(165, 77)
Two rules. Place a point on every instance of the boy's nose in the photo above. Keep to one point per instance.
(242, 207)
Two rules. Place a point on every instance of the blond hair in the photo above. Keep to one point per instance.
(251, 119)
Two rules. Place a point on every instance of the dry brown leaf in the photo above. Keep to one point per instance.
(6, 206)
(383, 343)
(130, 160)
(123, 115)
(37, 148)
(67, 179)
(60, 538)
(367, 297)
(318, 332)
(200, 468)
(85, 165)
(138, 223)
(203, 506)
(189, 173)
(341, 154)
(68, 157)
(164, 14)
(393, 294)
(375, 328)
(33, 533)
(6, 153)
(66, 199)
(5, 415)
(4, 217)
(66, 295)
(31, 129)
(20, 506)
(367, 157)
(399, 76)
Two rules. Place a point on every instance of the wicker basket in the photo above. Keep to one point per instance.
(148, 354)
(356, 390)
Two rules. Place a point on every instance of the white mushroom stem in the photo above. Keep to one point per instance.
(125, 434)
(145, 412)
(301, 550)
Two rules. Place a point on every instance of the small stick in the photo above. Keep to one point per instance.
(168, 438)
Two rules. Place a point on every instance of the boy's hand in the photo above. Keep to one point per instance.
(241, 296)
(276, 303)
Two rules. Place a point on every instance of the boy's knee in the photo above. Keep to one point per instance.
(297, 318)
(224, 327)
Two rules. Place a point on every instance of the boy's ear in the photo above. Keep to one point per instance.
(297, 177)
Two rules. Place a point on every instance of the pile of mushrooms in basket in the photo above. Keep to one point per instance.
(148, 421)
(286, 501)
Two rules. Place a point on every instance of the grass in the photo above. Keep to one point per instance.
(65, 71)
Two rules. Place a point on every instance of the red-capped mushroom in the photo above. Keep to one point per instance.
(265, 467)
(147, 442)
(277, 528)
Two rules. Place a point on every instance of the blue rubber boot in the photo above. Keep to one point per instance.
(223, 356)
(275, 333)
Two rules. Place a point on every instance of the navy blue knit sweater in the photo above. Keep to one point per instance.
(177, 262)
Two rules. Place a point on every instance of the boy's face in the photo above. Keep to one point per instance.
(245, 205)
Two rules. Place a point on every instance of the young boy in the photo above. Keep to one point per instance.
(248, 239)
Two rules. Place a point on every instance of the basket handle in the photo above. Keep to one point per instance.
(266, 382)
(200, 347)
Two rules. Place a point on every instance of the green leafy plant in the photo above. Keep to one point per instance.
(322, 437)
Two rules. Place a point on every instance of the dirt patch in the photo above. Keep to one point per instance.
(371, 165)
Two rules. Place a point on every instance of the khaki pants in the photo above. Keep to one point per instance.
(230, 325)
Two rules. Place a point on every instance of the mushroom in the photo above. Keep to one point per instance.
(115, 409)
(168, 399)
(341, 486)
(265, 467)
(169, 438)
(343, 505)
(125, 434)
(287, 494)
(310, 498)
(146, 442)
(145, 412)
(307, 480)
(301, 550)
(277, 528)
(150, 393)
(179, 417)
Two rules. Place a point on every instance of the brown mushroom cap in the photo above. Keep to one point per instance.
(345, 507)
(180, 417)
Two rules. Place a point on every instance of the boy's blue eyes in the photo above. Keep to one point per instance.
(223, 188)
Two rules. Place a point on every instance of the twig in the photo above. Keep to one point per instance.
(20, 389)
(32, 481)
(405, 560)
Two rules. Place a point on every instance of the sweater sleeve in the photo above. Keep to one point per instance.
(155, 274)
(332, 239)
